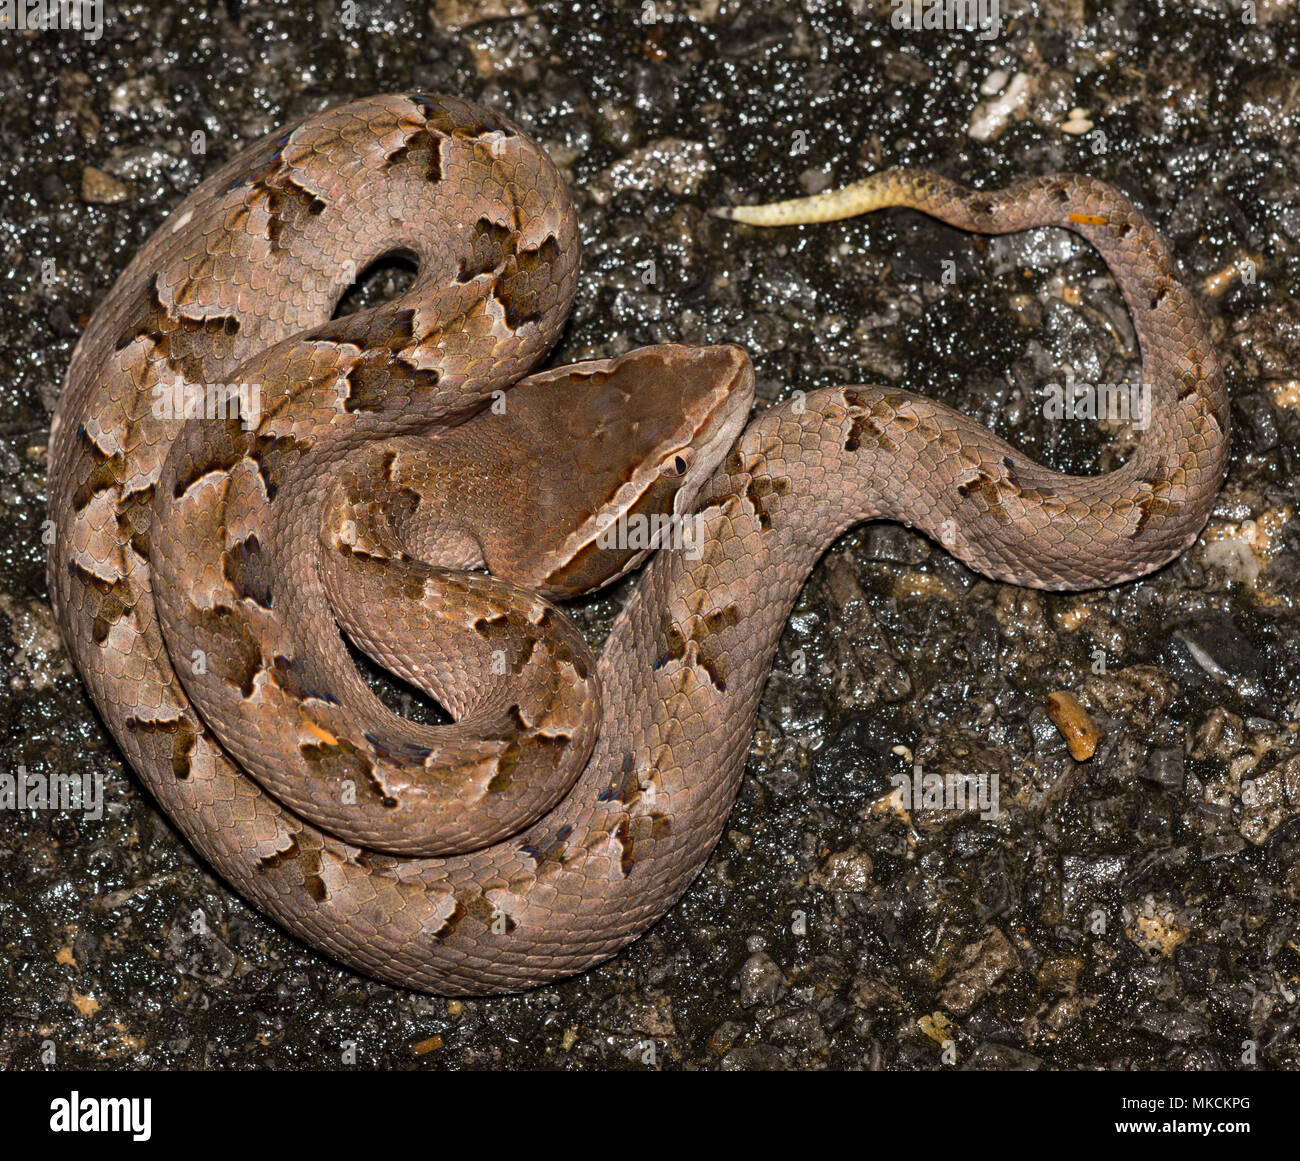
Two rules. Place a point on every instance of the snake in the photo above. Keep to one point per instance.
(246, 484)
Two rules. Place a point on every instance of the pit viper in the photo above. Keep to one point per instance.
(238, 478)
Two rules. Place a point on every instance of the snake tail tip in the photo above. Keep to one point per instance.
(747, 215)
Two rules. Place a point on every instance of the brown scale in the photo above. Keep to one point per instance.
(108, 600)
(520, 285)
(659, 824)
(759, 489)
(1155, 504)
(989, 489)
(288, 204)
(864, 425)
(451, 923)
(100, 472)
(232, 651)
(396, 750)
(340, 760)
(220, 450)
(549, 850)
(423, 149)
(187, 345)
(183, 740)
(625, 786)
(245, 570)
(621, 835)
(291, 678)
(365, 556)
(271, 861)
(517, 636)
(756, 489)
(312, 880)
(490, 245)
(459, 119)
(379, 376)
(273, 456)
(692, 648)
(553, 744)
(134, 519)
(487, 913)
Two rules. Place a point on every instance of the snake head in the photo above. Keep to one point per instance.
(620, 450)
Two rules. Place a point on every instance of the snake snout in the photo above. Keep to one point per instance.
(718, 385)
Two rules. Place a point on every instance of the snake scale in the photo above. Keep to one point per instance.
(399, 475)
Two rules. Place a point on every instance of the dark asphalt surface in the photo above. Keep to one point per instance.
(1139, 911)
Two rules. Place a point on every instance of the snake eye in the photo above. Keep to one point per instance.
(677, 463)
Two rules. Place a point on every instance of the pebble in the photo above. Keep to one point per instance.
(1080, 732)
(101, 189)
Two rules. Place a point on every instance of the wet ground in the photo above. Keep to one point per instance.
(1140, 910)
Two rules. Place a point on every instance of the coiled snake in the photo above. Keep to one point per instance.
(360, 472)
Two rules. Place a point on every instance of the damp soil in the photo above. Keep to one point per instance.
(1140, 910)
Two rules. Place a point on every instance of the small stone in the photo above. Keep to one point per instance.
(761, 981)
(455, 15)
(982, 964)
(100, 188)
(1080, 732)
(1156, 926)
(1165, 768)
(845, 871)
(678, 166)
(1077, 123)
